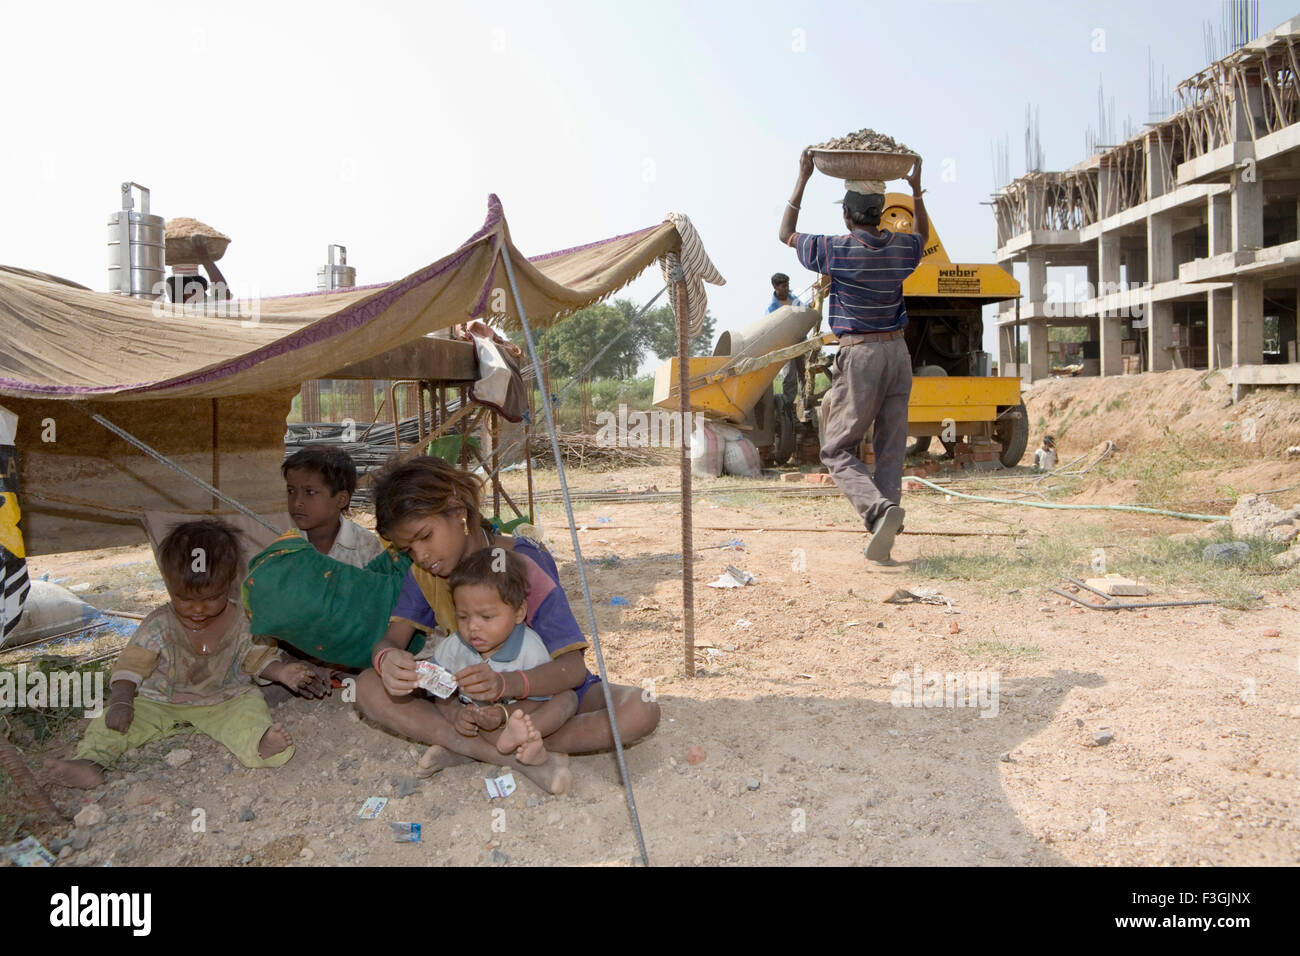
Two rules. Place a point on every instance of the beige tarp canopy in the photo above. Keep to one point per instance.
(212, 393)
(66, 342)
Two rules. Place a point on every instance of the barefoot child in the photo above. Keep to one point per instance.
(490, 588)
(319, 483)
(189, 663)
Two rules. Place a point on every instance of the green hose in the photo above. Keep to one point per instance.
(1045, 504)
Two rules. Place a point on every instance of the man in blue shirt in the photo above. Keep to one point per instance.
(873, 370)
(793, 373)
(781, 292)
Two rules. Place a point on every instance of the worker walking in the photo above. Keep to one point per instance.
(873, 370)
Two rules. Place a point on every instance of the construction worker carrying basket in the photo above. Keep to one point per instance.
(873, 369)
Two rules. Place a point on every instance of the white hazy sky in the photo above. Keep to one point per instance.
(384, 126)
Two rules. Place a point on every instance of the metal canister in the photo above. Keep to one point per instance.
(336, 274)
(136, 247)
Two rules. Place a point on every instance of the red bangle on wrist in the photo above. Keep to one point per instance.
(524, 675)
(379, 659)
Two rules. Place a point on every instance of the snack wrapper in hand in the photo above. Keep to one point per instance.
(434, 678)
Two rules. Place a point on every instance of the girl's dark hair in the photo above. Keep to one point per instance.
(421, 487)
(198, 555)
(335, 467)
(497, 567)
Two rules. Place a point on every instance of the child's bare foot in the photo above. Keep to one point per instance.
(275, 740)
(522, 737)
(437, 759)
(488, 718)
(553, 776)
(80, 774)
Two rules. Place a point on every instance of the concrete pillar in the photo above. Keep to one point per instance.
(1039, 366)
(1247, 321)
(1247, 213)
(1218, 327)
(1160, 248)
(1037, 281)
(1160, 335)
(1109, 331)
(1219, 223)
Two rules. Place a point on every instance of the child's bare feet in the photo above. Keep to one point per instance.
(80, 774)
(553, 776)
(488, 718)
(437, 759)
(522, 737)
(275, 740)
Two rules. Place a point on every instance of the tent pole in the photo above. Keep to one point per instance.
(216, 454)
(682, 309)
(504, 252)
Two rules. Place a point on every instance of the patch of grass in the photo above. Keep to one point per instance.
(1161, 473)
(1039, 561)
(1179, 564)
(739, 499)
(1001, 649)
(1117, 404)
(43, 724)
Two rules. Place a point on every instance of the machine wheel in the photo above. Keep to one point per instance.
(1012, 433)
(782, 430)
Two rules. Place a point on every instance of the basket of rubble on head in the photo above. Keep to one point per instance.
(179, 236)
(864, 156)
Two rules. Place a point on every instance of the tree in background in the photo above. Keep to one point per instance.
(659, 331)
(576, 341)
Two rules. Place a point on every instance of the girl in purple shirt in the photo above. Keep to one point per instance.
(429, 509)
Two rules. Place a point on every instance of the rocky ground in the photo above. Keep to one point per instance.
(1165, 736)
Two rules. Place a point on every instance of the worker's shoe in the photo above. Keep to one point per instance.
(883, 531)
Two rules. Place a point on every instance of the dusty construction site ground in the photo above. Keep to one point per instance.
(806, 759)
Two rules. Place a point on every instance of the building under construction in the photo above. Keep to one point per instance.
(1189, 232)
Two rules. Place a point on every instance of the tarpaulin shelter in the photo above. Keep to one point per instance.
(211, 391)
(207, 389)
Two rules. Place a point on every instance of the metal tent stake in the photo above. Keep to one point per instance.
(577, 556)
(683, 406)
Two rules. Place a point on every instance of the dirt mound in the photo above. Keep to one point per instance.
(1141, 413)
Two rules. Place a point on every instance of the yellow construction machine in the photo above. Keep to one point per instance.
(953, 395)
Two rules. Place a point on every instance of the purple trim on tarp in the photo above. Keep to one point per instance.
(329, 326)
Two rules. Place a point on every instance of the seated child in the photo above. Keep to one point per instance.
(490, 589)
(1045, 457)
(320, 483)
(189, 663)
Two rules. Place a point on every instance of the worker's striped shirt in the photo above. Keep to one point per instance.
(867, 274)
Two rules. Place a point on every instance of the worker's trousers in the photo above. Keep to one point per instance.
(873, 382)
